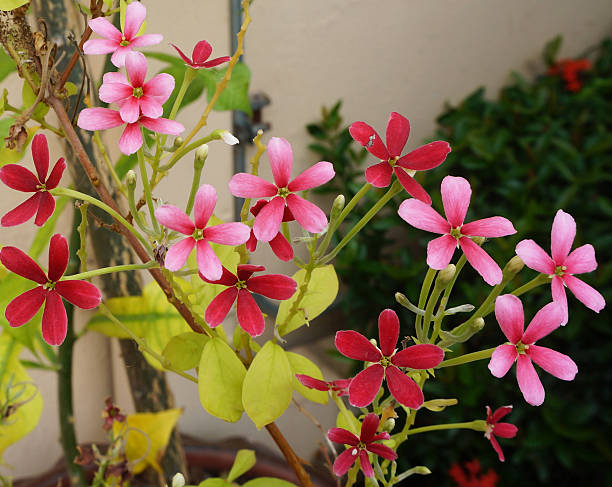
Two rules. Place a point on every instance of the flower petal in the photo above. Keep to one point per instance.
(365, 385)
(281, 247)
(368, 428)
(104, 28)
(502, 359)
(366, 466)
(440, 251)
(368, 138)
(178, 253)
(58, 257)
(175, 219)
(215, 62)
(495, 226)
(497, 448)
(131, 139)
(204, 205)
(345, 461)
(246, 185)
(481, 261)
(19, 178)
(135, 14)
(208, 262)
(21, 213)
(162, 125)
(136, 67)
(398, 130)
(82, 294)
(40, 155)
(340, 435)
(456, 194)
(201, 52)
(505, 430)
(245, 271)
(354, 345)
(510, 316)
(546, 320)
(557, 289)
(307, 214)
(226, 279)
(281, 160)
(22, 264)
(56, 174)
(499, 414)
(312, 177)
(160, 86)
(184, 57)
(23, 308)
(420, 357)
(274, 286)
(46, 207)
(412, 187)
(388, 331)
(562, 236)
(146, 40)
(425, 157)
(100, 46)
(233, 233)
(581, 260)
(422, 216)
(535, 257)
(319, 385)
(553, 362)
(220, 306)
(382, 451)
(249, 315)
(54, 319)
(528, 381)
(403, 388)
(118, 57)
(114, 92)
(379, 175)
(130, 111)
(268, 220)
(99, 119)
(587, 295)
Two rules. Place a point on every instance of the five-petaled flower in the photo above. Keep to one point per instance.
(199, 234)
(240, 287)
(279, 244)
(339, 386)
(268, 220)
(359, 447)
(495, 428)
(135, 96)
(456, 194)
(563, 264)
(199, 57)
(398, 129)
(522, 348)
(21, 179)
(120, 43)
(386, 363)
(50, 291)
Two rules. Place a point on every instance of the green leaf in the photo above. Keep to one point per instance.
(194, 91)
(220, 382)
(184, 351)
(235, 96)
(11, 156)
(125, 163)
(301, 365)
(11, 4)
(551, 50)
(28, 97)
(214, 483)
(7, 65)
(321, 292)
(245, 459)
(267, 388)
(268, 482)
(342, 422)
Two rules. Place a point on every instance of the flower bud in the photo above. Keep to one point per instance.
(478, 240)
(201, 154)
(388, 425)
(420, 470)
(178, 141)
(228, 138)
(178, 480)
(513, 267)
(445, 276)
(337, 207)
(130, 178)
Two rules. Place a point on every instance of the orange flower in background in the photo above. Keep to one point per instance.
(569, 70)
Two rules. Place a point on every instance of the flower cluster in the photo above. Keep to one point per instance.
(569, 70)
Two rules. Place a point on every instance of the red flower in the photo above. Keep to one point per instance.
(472, 476)
(279, 244)
(240, 287)
(360, 446)
(51, 290)
(201, 52)
(21, 179)
(398, 128)
(569, 69)
(495, 428)
(110, 414)
(339, 386)
(387, 362)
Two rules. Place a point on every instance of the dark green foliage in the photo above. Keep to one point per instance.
(534, 149)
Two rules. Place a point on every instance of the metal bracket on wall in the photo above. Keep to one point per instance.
(245, 127)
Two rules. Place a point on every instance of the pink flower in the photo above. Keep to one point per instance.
(359, 447)
(50, 291)
(201, 52)
(398, 128)
(495, 428)
(240, 287)
(387, 362)
(456, 193)
(268, 221)
(563, 264)
(131, 139)
(120, 43)
(21, 179)
(199, 235)
(279, 244)
(135, 96)
(509, 314)
(339, 386)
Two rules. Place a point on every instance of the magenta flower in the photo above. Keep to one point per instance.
(50, 291)
(359, 447)
(387, 362)
(201, 52)
(456, 194)
(509, 314)
(120, 43)
(240, 288)
(135, 96)
(495, 428)
(268, 221)
(199, 235)
(563, 264)
(398, 128)
(22, 179)
(339, 386)
(279, 244)
(131, 139)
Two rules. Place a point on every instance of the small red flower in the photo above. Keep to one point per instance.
(569, 70)
(398, 129)
(472, 475)
(201, 52)
(339, 386)
(495, 428)
(51, 290)
(279, 244)
(21, 179)
(387, 363)
(240, 288)
(111, 413)
(360, 446)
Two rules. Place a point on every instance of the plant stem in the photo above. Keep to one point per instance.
(476, 425)
(429, 277)
(110, 270)
(147, 189)
(467, 358)
(98, 141)
(431, 303)
(198, 165)
(261, 148)
(443, 302)
(292, 459)
(535, 282)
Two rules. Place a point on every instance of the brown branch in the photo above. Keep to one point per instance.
(292, 459)
(105, 196)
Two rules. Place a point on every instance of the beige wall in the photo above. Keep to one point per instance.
(400, 55)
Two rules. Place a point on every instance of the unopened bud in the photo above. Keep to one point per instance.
(388, 425)
(201, 154)
(420, 470)
(337, 207)
(446, 275)
(405, 302)
(178, 480)
(513, 267)
(130, 178)
(228, 138)
(373, 342)
(478, 240)
(478, 324)
(178, 141)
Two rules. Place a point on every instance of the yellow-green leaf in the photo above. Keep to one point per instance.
(184, 351)
(268, 482)
(245, 459)
(220, 382)
(268, 384)
(11, 4)
(28, 97)
(342, 421)
(321, 292)
(11, 156)
(214, 483)
(301, 365)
